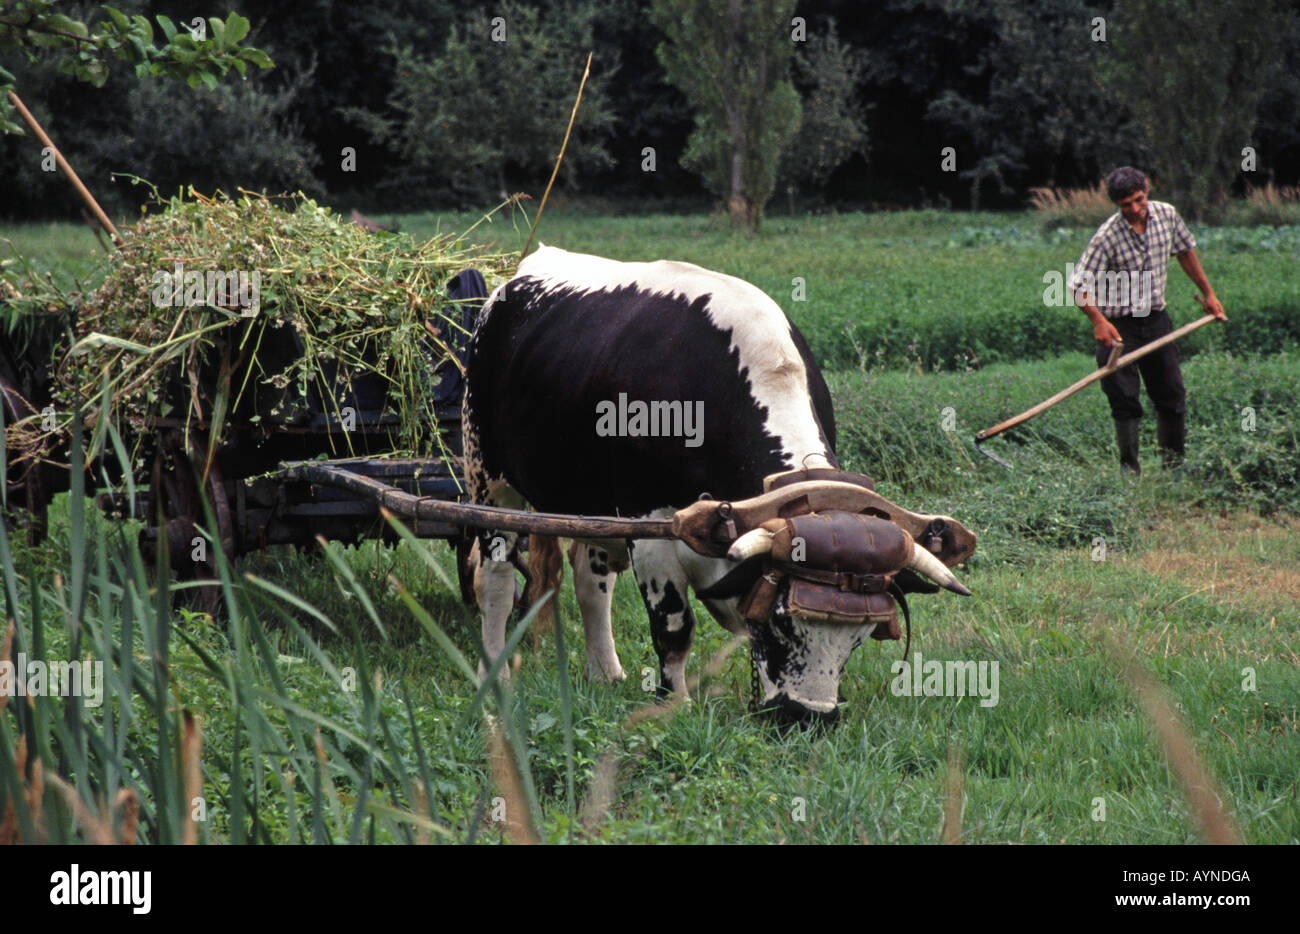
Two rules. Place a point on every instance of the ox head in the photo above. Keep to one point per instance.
(822, 567)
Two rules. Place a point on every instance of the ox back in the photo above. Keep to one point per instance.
(572, 336)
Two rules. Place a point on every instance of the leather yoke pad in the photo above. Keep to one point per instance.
(811, 600)
(840, 541)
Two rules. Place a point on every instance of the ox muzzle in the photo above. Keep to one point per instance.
(824, 562)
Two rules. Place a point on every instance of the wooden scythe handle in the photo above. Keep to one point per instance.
(1110, 367)
(62, 163)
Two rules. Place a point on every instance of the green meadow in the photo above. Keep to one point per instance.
(331, 698)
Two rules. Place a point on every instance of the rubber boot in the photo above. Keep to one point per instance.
(1126, 433)
(1171, 435)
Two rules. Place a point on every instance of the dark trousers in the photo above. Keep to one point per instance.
(1160, 371)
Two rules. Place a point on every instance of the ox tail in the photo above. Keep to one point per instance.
(466, 562)
(545, 570)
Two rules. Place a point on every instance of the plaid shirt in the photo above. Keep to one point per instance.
(1115, 248)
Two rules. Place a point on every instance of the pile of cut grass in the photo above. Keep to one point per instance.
(313, 304)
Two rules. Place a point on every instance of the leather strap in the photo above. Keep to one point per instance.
(843, 580)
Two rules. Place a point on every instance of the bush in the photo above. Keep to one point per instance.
(462, 117)
(1071, 207)
(1272, 205)
(247, 132)
(240, 133)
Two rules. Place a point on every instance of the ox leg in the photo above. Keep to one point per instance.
(662, 581)
(494, 569)
(593, 583)
(494, 588)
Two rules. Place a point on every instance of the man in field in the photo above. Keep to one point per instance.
(1120, 284)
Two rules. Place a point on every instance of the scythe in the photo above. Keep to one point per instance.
(1115, 362)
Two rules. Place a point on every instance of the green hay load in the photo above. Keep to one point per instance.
(364, 306)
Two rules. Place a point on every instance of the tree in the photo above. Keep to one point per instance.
(828, 72)
(248, 134)
(30, 27)
(1278, 128)
(1038, 106)
(498, 95)
(341, 44)
(732, 61)
(1194, 71)
(652, 115)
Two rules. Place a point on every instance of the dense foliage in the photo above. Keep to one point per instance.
(412, 103)
(732, 61)
(29, 27)
(498, 94)
(1197, 103)
(834, 128)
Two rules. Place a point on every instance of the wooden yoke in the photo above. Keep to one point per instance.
(709, 527)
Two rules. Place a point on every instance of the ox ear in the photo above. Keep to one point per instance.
(735, 583)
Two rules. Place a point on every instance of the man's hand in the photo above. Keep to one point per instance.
(1102, 329)
(1192, 266)
(1212, 306)
(1105, 332)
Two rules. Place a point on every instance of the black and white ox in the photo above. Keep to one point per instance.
(596, 387)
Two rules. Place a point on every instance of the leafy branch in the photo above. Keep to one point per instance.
(201, 53)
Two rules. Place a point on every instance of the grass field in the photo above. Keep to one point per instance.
(339, 714)
(928, 287)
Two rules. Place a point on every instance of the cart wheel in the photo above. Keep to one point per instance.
(34, 512)
(190, 554)
(38, 502)
(35, 482)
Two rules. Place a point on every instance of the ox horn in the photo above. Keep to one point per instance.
(936, 570)
(754, 542)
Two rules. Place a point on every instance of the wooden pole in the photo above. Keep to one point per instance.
(94, 228)
(1092, 378)
(67, 169)
(558, 160)
(410, 506)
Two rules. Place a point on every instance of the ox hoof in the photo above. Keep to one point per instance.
(612, 674)
(503, 676)
(666, 695)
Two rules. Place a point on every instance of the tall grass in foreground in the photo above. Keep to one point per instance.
(275, 760)
(131, 767)
(253, 716)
